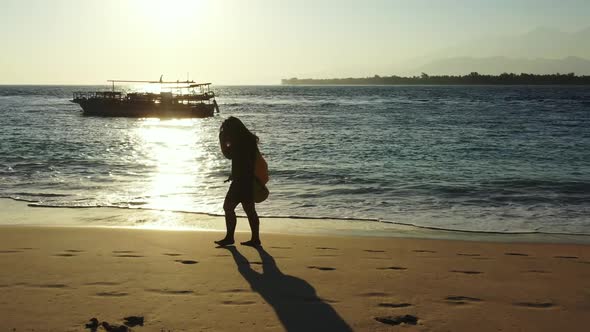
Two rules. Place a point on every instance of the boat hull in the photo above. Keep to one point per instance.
(122, 108)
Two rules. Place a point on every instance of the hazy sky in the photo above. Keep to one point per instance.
(251, 41)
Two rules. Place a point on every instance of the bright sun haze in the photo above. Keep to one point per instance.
(258, 41)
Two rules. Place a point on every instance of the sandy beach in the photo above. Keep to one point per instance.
(294, 166)
(58, 278)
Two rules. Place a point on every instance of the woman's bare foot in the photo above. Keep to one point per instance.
(224, 242)
(252, 243)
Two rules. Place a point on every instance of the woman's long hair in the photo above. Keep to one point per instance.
(234, 132)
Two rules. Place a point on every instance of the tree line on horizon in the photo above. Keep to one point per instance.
(473, 78)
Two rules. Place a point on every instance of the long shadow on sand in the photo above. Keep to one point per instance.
(294, 300)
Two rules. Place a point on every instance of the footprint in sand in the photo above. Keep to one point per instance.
(394, 305)
(237, 290)
(233, 302)
(171, 291)
(537, 271)
(186, 261)
(537, 305)
(461, 299)
(15, 285)
(65, 255)
(322, 268)
(51, 286)
(466, 272)
(102, 283)
(69, 253)
(111, 294)
(125, 254)
(397, 320)
(566, 257)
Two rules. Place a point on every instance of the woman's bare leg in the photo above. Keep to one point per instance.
(254, 221)
(229, 207)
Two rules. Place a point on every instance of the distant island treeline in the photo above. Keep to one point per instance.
(470, 79)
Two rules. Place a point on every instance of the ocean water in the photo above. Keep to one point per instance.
(481, 158)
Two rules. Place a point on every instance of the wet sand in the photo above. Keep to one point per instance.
(58, 278)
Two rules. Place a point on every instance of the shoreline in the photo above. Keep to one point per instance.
(22, 213)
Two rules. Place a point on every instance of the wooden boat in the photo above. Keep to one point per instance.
(189, 100)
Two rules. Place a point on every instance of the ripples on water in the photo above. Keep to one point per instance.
(471, 158)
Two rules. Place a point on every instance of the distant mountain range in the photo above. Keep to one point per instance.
(539, 51)
(538, 43)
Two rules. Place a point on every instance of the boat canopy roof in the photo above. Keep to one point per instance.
(199, 84)
(154, 82)
(190, 84)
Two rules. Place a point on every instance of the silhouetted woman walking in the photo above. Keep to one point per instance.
(241, 146)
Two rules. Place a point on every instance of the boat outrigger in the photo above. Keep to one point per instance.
(189, 100)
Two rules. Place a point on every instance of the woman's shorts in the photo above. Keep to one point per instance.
(241, 191)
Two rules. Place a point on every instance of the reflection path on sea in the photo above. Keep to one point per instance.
(182, 157)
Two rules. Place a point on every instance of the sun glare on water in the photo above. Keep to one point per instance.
(172, 149)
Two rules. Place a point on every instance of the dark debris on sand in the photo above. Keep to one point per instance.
(130, 321)
(92, 324)
(397, 320)
(114, 328)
